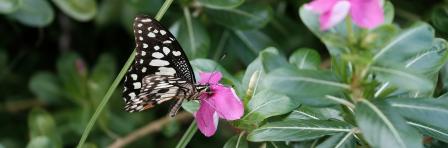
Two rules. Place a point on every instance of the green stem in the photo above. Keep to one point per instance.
(187, 135)
(117, 80)
(349, 27)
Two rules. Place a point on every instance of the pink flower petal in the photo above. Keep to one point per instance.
(321, 6)
(227, 104)
(210, 77)
(205, 118)
(367, 13)
(335, 15)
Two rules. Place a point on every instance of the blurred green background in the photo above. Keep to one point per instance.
(58, 58)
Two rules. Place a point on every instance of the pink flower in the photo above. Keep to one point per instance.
(364, 13)
(222, 102)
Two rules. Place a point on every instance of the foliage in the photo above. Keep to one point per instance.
(301, 87)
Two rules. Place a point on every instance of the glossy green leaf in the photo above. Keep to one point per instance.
(237, 141)
(266, 104)
(297, 130)
(244, 17)
(306, 86)
(424, 113)
(383, 127)
(34, 13)
(247, 44)
(406, 45)
(192, 36)
(221, 4)
(403, 78)
(305, 58)
(190, 106)
(8, 6)
(439, 18)
(46, 87)
(81, 10)
(341, 140)
(316, 113)
(272, 60)
(432, 60)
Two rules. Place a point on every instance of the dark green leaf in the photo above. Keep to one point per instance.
(406, 45)
(297, 130)
(305, 58)
(81, 10)
(266, 104)
(245, 17)
(192, 36)
(101, 77)
(439, 18)
(311, 87)
(46, 87)
(8, 6)
(247, 44)
(427, 114)
(383, 127)
(403, 78)
(70, 69)
(237, 141)
(272, 60)
(221, 4)
(317, 113)
(341, 140)
(34, 13)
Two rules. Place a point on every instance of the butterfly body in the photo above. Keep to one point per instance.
(161, 70)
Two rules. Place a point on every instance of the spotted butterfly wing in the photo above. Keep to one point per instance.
(161, 70)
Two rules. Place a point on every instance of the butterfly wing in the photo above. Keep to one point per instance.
(158, 54)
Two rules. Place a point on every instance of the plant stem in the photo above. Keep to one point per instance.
(117, 80)
(187, 135)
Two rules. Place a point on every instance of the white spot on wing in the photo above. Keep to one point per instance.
(139, 31)
(163, 32)
(177, 53)
(151, 35)
(134, 76)
(141, 61)
(137, 85)
(143, 53)
(157, 55)
(146, 20)
(132, 95)
(166, 71)
(144, 69)
(140, 38)
(166, 50)
(158, 62)
(139, 25)
(166, 42)
(156, 47)
(145, 45)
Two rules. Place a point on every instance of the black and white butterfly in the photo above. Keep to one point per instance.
(161, 70)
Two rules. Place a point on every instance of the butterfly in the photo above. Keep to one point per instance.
(161, 70)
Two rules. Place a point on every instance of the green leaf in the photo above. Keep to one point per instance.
(101, 77)
(378, 38)
(430, 61)
(389, 12)
(439, 17)
(427, 114)
(245, 17)
(297, 130)
(192, 36)
(42, 142)
(9, 6)
(81, 10)
(310, 87)
(237, 141)
(72, 79)
(190, 106)
(40, 123)
(247, 44)
(46, 87)
(341, 140)
(221, 4)
(383, 127)
(406, 45)
(272, 60)
(305, 58)
(34, 13)
(266, 104)
(316, 113)
(402, 78)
